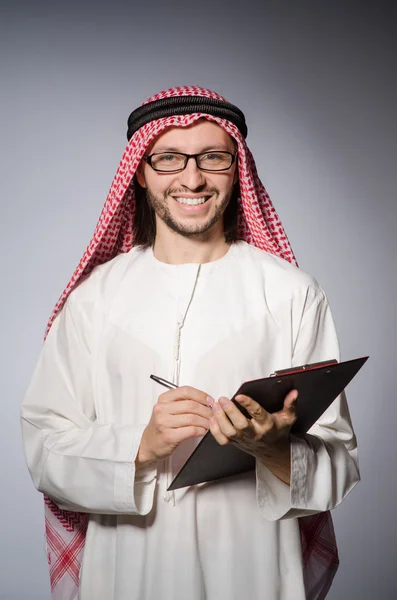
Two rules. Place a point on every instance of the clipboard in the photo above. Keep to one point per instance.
(318, 384)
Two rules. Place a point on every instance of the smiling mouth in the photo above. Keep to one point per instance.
(192, 201)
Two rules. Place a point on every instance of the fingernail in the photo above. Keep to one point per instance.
(223, 401)
(209, 400)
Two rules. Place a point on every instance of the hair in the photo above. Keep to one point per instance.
(144, 223)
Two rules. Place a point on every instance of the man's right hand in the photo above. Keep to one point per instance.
(180, 414)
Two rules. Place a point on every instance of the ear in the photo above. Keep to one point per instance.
(140, 176)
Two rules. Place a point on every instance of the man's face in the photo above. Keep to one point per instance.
(167, 191)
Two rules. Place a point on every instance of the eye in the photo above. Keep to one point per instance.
(216, 161)
(166, 158)
(212, 156)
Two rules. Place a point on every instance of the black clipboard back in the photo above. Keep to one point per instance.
(318, 385)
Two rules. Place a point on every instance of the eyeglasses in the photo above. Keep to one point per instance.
(172, 162)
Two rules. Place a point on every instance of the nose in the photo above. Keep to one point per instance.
(191, 177)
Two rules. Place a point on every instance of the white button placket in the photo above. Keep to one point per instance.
(185, 298)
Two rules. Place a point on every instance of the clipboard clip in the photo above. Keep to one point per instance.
(309, 367)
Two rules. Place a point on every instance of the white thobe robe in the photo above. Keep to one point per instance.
(211, 326)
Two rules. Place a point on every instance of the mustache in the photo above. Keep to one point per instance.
(209, 191)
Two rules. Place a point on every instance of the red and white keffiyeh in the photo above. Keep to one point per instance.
(259, 225)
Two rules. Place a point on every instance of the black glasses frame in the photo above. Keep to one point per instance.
(148, 159)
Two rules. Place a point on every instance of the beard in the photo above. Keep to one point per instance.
(198, 230)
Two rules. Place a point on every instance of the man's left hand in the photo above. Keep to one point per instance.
(265, 436)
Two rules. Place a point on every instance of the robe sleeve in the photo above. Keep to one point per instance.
(79, 463)
(324, 464)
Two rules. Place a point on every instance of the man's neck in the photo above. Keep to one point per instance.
(176, 249)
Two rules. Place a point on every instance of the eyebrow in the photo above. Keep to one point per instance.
(205, 149)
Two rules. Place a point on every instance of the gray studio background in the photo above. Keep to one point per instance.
(317, 83)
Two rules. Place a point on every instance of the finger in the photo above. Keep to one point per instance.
(220, 437)
(239, 421)
(187, 407)
(224, 424)
(289, 402)
(186, 392)
(187, 420)
(289, 409)
(180, 434)
(287, 415)
(256, 411)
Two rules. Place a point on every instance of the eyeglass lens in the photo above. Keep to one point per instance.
(210, 161)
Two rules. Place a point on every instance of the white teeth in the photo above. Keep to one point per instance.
(191, 201)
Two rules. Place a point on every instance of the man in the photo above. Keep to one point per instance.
(195, 282)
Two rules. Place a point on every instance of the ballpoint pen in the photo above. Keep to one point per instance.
(164, 382)
(168, 384)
